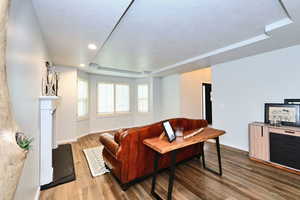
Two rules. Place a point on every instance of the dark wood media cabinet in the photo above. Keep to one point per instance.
(276, 146)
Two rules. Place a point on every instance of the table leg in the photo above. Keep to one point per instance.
(219, 158)
(156, 158)
(203, 155)
(171, 175)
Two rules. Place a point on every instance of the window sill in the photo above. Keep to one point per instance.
(113, 115)
(143, 113)
(84, 118)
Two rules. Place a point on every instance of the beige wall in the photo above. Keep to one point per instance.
(26, 55)
(191, 92)
(181, 94)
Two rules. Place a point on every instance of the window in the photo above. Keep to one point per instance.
(113, 98)
(122, 98)
(105, 98)
(83, 98)
(143, 98)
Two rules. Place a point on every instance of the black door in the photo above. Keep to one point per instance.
(206, 102)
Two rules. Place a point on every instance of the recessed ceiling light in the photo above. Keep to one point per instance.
(92, 46)
(82, 65)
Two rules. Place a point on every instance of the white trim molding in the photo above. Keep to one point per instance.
(47, 137)
(37, 194)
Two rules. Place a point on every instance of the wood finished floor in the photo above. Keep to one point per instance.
(242, 179)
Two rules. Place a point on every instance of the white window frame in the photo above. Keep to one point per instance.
(137, 97)
(122, 112)
(102, 114)
(86, 116)
(97, 102)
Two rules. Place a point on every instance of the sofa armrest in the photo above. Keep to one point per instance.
(109, 144)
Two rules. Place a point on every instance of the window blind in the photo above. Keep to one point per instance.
(143, 98)
(83, 98)
(122, 98)
(105, 98)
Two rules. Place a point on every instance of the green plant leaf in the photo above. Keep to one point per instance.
(25, 142)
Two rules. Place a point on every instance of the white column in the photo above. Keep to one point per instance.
(47, 107)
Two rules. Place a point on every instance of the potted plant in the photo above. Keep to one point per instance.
(13, 152)
(23, 141)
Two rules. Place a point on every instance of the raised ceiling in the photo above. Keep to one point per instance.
(157, 33)
(70, 25)
(164, 35)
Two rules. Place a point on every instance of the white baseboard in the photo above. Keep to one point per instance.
(37, 194)
(234, 146)
(100, 131)
(85, 134)
(89, 133)
(66, 141)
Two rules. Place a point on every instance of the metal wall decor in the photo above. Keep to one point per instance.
(50, 81)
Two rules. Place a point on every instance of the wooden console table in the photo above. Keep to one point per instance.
(162, 146)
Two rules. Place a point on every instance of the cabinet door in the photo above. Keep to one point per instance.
(259, 142)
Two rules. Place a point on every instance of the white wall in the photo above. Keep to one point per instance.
(156, 99)
(66, 113)
(191, 92)
(69, 128)
(83, 125)
(170, 97)
(26, 56)
(241, 87)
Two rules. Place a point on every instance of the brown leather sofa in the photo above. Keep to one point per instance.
(130, 160)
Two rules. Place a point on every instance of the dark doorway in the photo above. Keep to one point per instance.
(206, 102)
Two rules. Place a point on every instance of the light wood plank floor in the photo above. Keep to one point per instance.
(242, 179)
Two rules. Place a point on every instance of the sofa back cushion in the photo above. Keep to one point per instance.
(187, 124)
